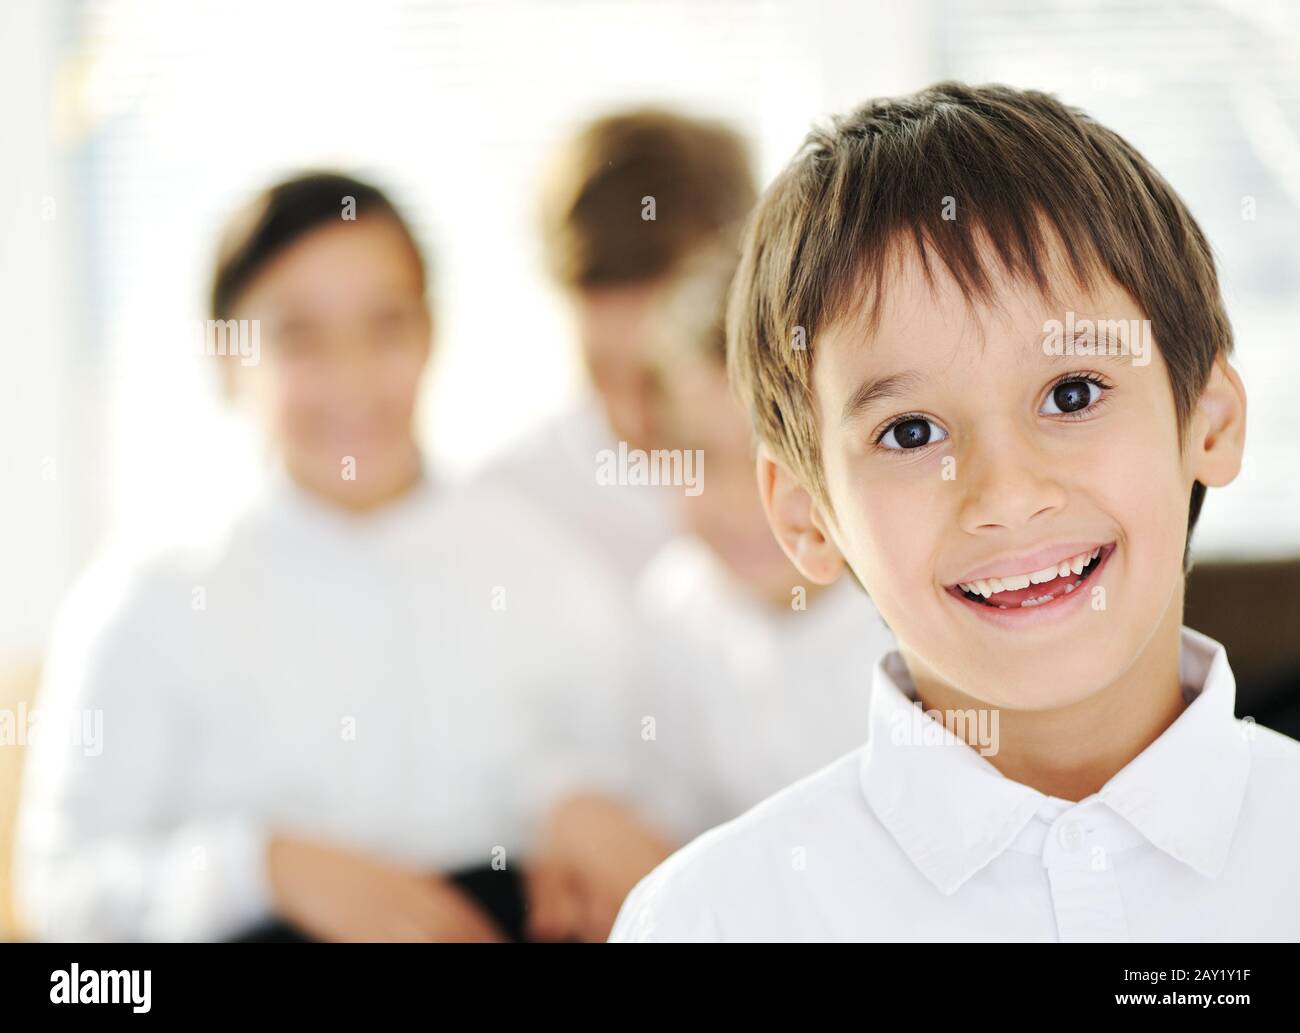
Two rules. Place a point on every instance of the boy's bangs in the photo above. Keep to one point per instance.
(1048, 250)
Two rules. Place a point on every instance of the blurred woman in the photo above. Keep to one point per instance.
(339, 719)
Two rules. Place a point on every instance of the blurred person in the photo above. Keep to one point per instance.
(630, 199)
(730, 627)
(337, 720)
(749, 676)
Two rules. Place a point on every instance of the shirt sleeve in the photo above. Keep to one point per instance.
(107, 848)
(658, 910)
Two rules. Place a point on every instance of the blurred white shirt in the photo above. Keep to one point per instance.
(921, 839)
(554, 468)
(418, 683)
(745, 698)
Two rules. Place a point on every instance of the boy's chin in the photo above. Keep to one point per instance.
(1053, 678)
(1047, 692)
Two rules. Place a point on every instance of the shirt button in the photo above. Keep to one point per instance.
(1070, 835)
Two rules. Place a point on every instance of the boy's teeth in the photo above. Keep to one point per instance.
(1014, 582)
(1046, 574)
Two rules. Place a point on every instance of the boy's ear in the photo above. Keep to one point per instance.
(797, 520)
(1218, 426)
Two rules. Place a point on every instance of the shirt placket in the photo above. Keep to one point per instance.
(1078, 854)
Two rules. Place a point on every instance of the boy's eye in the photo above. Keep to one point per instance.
(912, 432)
(1071, 396)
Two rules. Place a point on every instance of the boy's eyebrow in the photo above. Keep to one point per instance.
(874, 389)
(1109, 342)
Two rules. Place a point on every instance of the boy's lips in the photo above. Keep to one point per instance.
(1032, 596)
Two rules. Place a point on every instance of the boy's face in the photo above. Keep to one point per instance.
(1012, 461)
(345, 338)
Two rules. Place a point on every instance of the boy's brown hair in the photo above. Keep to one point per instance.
(1021, 169)
(593, 230)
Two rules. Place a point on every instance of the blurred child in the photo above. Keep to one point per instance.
(730, 627)
(629, 200)
(338, 720)
(749, 676)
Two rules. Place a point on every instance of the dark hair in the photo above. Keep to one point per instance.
(283, 214)
(593, 231)
(1024, 167)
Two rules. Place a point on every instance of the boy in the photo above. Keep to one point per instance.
(1018, 506)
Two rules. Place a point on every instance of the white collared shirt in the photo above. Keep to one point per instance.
(1196, 839)
(747, 696)
(409, 683)
(553, 468)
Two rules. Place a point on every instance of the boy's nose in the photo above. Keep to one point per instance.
(1007, 484)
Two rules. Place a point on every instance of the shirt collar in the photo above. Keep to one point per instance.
(952, 812)
(1185, 791)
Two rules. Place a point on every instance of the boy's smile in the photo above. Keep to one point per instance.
(1041, 591)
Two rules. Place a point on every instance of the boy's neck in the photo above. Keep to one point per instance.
(1071, 752)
